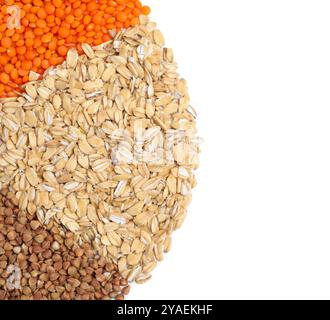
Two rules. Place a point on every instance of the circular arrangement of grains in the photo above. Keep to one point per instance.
(97, 161)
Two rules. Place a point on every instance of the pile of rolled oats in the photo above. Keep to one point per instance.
(105, 145)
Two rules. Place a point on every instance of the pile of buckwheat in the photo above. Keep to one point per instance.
(105, 148)
(43, 262)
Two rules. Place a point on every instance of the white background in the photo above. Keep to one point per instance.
(259, 224)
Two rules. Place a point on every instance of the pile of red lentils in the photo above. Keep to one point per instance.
(36, 34)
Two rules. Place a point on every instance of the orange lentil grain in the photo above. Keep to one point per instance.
(4, 78)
